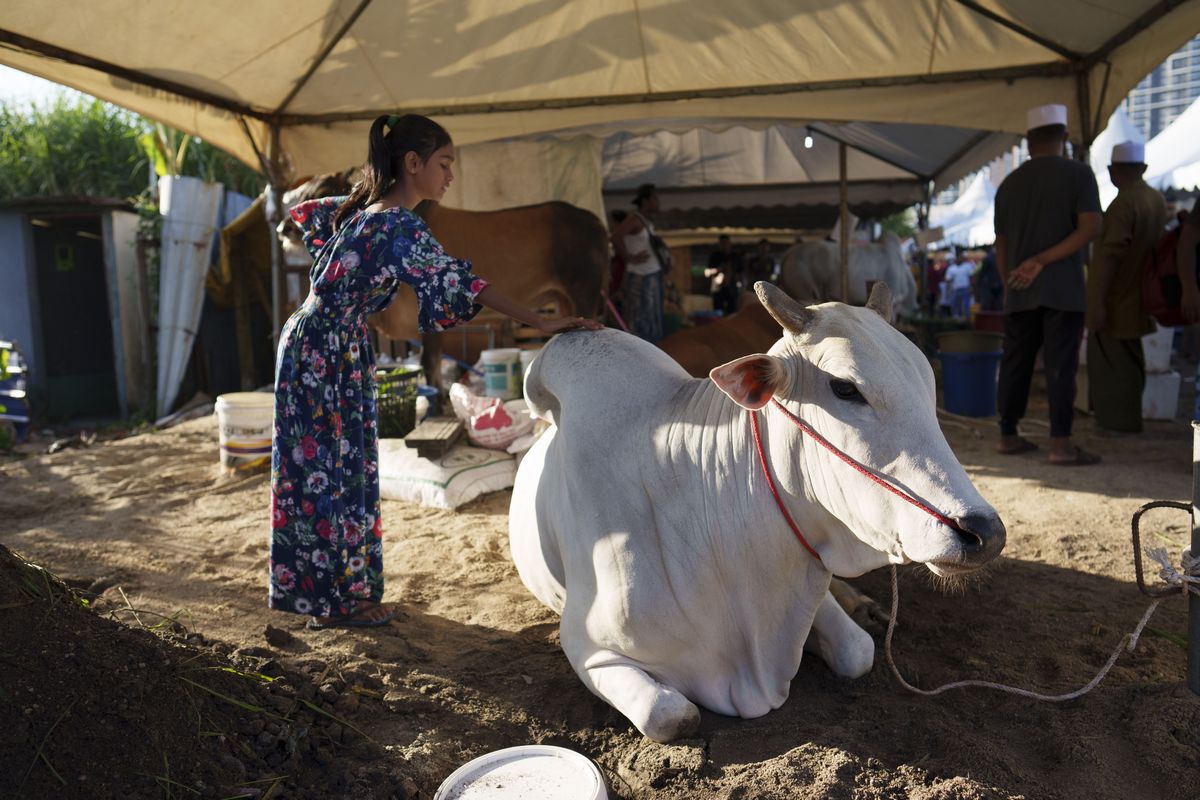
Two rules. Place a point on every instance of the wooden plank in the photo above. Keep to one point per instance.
(434, 437)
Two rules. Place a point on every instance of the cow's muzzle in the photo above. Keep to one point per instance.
(981, 537)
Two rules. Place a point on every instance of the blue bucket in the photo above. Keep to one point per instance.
(969, 383)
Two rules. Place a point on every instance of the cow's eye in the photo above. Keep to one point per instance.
(845, 390)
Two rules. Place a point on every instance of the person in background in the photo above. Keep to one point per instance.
(989, 288)
(959, 275)
(1116, 323)
(724, 268)
(326, 556)
(1187, 256)
(617, 264)
(945, 305)
(761, 266)
(646, 260)
(935, 276)
(1047, 211)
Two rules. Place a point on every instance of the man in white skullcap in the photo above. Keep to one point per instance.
(1133, 223)
(1047, 211)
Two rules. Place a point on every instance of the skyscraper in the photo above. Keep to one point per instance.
(1166, 92)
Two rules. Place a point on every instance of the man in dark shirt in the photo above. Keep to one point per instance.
(1046, 213)
(1187, 257)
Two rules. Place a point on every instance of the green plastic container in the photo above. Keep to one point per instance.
(396, 401)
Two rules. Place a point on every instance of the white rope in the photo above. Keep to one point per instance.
(1188, 580)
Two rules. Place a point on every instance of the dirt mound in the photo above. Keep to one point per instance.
(95, 708)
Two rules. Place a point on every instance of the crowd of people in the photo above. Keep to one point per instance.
(963, 280)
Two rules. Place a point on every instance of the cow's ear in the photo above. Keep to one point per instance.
(880, 301)
(750, 381)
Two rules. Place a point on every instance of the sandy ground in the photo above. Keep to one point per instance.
(473, 663)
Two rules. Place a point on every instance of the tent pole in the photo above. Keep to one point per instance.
(274, 215)
(844, 220)
(274, 202)
(1084, 99)
(1193, 598)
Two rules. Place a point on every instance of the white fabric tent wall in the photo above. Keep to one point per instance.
(1173, 157)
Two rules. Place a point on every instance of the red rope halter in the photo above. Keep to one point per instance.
(821, 440)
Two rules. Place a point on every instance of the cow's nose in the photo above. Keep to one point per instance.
(982, 536)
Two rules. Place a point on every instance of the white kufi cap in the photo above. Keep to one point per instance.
(1129, 153)
(1053, 114)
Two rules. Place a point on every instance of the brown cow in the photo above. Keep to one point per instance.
(545, 254)
(748, 330)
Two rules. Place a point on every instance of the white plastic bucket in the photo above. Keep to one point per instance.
(244, 421)
(529, 772)
(501, 372)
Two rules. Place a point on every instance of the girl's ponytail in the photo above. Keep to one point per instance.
(391, 137)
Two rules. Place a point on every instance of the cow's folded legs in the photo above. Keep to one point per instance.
(839, 641)
(658, 711)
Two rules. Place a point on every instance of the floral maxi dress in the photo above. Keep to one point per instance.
(326, 538)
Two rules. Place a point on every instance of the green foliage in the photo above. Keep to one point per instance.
(71, 146)
(83, 146)
(902, 223)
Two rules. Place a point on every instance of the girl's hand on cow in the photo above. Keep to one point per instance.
(568, 324)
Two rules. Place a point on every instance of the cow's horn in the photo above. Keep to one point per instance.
(787, 312)
(880, 300)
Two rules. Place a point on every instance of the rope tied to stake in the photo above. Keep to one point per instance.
(1186, 579)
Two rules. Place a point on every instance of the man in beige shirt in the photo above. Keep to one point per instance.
(1133, 223)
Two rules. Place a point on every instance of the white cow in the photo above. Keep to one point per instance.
(644, 518)
(811, 272)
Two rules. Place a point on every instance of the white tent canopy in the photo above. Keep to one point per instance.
(297, 80)
(1173, 157)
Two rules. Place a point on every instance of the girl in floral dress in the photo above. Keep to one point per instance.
(326, 556)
